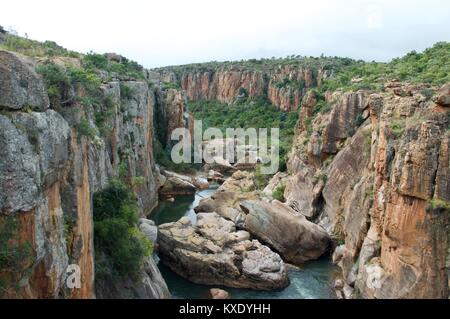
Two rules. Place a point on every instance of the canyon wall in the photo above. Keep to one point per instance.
(53, 158)
(374, 172)
(283, 85)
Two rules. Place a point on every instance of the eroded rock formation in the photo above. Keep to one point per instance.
(284, 86)
(213, 252)
(373, 172)
(50, 168)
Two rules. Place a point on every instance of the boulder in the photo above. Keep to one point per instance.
(286, 231)
(212, 252)
(214, 176)
(239, 182)
(443, 96)
(222, 165)
(20, 86)
(216, 293)
(178, 184)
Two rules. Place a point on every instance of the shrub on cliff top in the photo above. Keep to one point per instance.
(34, 48)
(120, 247)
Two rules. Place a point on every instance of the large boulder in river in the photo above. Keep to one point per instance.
(225, 201)
(178, 184)
(213, 252)
(283, 229)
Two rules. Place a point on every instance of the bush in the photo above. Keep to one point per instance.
(60, 80)
(120, 248)
(126, 92)
(126, 67)
(397, 129)
(56, 81)
(162, 157)
(278, 193)
(438, 205)
(260, 180)
(170, 85)
(13, 254)
(85, 129)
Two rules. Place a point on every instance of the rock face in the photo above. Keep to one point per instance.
(150, 286)
(213, 252)
(286, 231)
(284, 86)
(21, 87)
(170, 114)
(374, 173)
(49, 171)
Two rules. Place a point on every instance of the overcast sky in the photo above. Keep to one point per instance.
(168, 32)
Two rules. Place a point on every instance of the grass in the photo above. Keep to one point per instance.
(34, 48)
(278, 193)
(397, 128)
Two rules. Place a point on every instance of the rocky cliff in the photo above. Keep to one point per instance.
(283, 84)
(54, 155)
(373, 170)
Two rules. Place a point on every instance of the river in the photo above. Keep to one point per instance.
(313, 280)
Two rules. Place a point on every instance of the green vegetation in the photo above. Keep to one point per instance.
(120, 248)
(35, 48)
(85, 129)
(170, 85)
(289, 83)
(331, 64)
(258, 114)
(162, 157)
(14, 254)
(125, 67)
(438, 205)
(320, 176)
(397, 128)
(260, 180)
(126, 92)
(432, 67)
(60, 80)
(278, 193)
(69, 224)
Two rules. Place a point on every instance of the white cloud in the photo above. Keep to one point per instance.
(165, 32)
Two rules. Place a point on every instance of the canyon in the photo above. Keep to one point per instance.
(367, 179)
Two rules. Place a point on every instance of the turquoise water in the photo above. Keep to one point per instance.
(314, 280)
